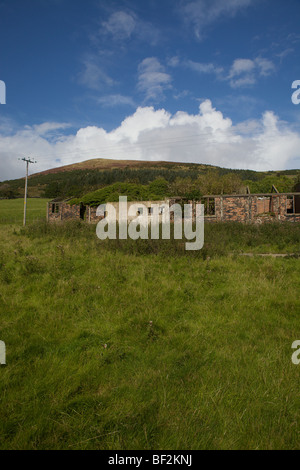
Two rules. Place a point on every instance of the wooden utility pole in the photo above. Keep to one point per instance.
(27, 160)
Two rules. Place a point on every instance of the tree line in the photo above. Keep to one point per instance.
(186, 181)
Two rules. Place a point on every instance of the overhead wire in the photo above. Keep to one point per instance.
(162, 144)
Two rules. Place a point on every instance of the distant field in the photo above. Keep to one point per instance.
(140, 345)
(11, 210)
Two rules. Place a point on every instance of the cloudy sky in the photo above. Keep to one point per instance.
(206, 81)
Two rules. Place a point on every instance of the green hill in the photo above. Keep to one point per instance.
(182, 179)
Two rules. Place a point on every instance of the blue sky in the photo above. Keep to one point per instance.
(205, 81)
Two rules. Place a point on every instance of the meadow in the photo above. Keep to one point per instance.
(141, 345)
(11, 210)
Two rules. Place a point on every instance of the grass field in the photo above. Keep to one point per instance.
(11, 210)
(141, 345)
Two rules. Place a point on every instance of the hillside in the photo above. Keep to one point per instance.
(102, 164)
(183, 178)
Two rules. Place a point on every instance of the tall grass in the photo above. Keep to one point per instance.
(111, 348)
(219, 239)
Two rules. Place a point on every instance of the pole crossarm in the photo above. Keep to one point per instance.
(28, 160)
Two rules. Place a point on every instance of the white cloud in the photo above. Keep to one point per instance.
(49, 127)
(144, 120)
(241, 66)
(7, 125)
(93, 76)
(149, 134)
(153, 79)
(283, 54)
(111, 101)
(181, 94)
(241, 82)
(174, 61)
(244, 72)
(265, 66)
(203, 67)
(203, 13)
(122, 25)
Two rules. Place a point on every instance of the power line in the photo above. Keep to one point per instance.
(27, 160)
(136, 146)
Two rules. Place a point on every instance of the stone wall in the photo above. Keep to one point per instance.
(256, 208)
(252, 208)
(62, 211)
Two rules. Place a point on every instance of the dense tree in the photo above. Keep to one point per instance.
(283, 184)
(7, 193)
(186, 180)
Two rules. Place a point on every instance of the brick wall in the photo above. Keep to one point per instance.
(254, 208)
(237, 209)
(240, 208)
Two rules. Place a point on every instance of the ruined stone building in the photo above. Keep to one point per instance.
(248, 208)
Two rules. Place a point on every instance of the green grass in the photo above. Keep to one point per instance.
(220, 239)
(11, 210)
(212, 371)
